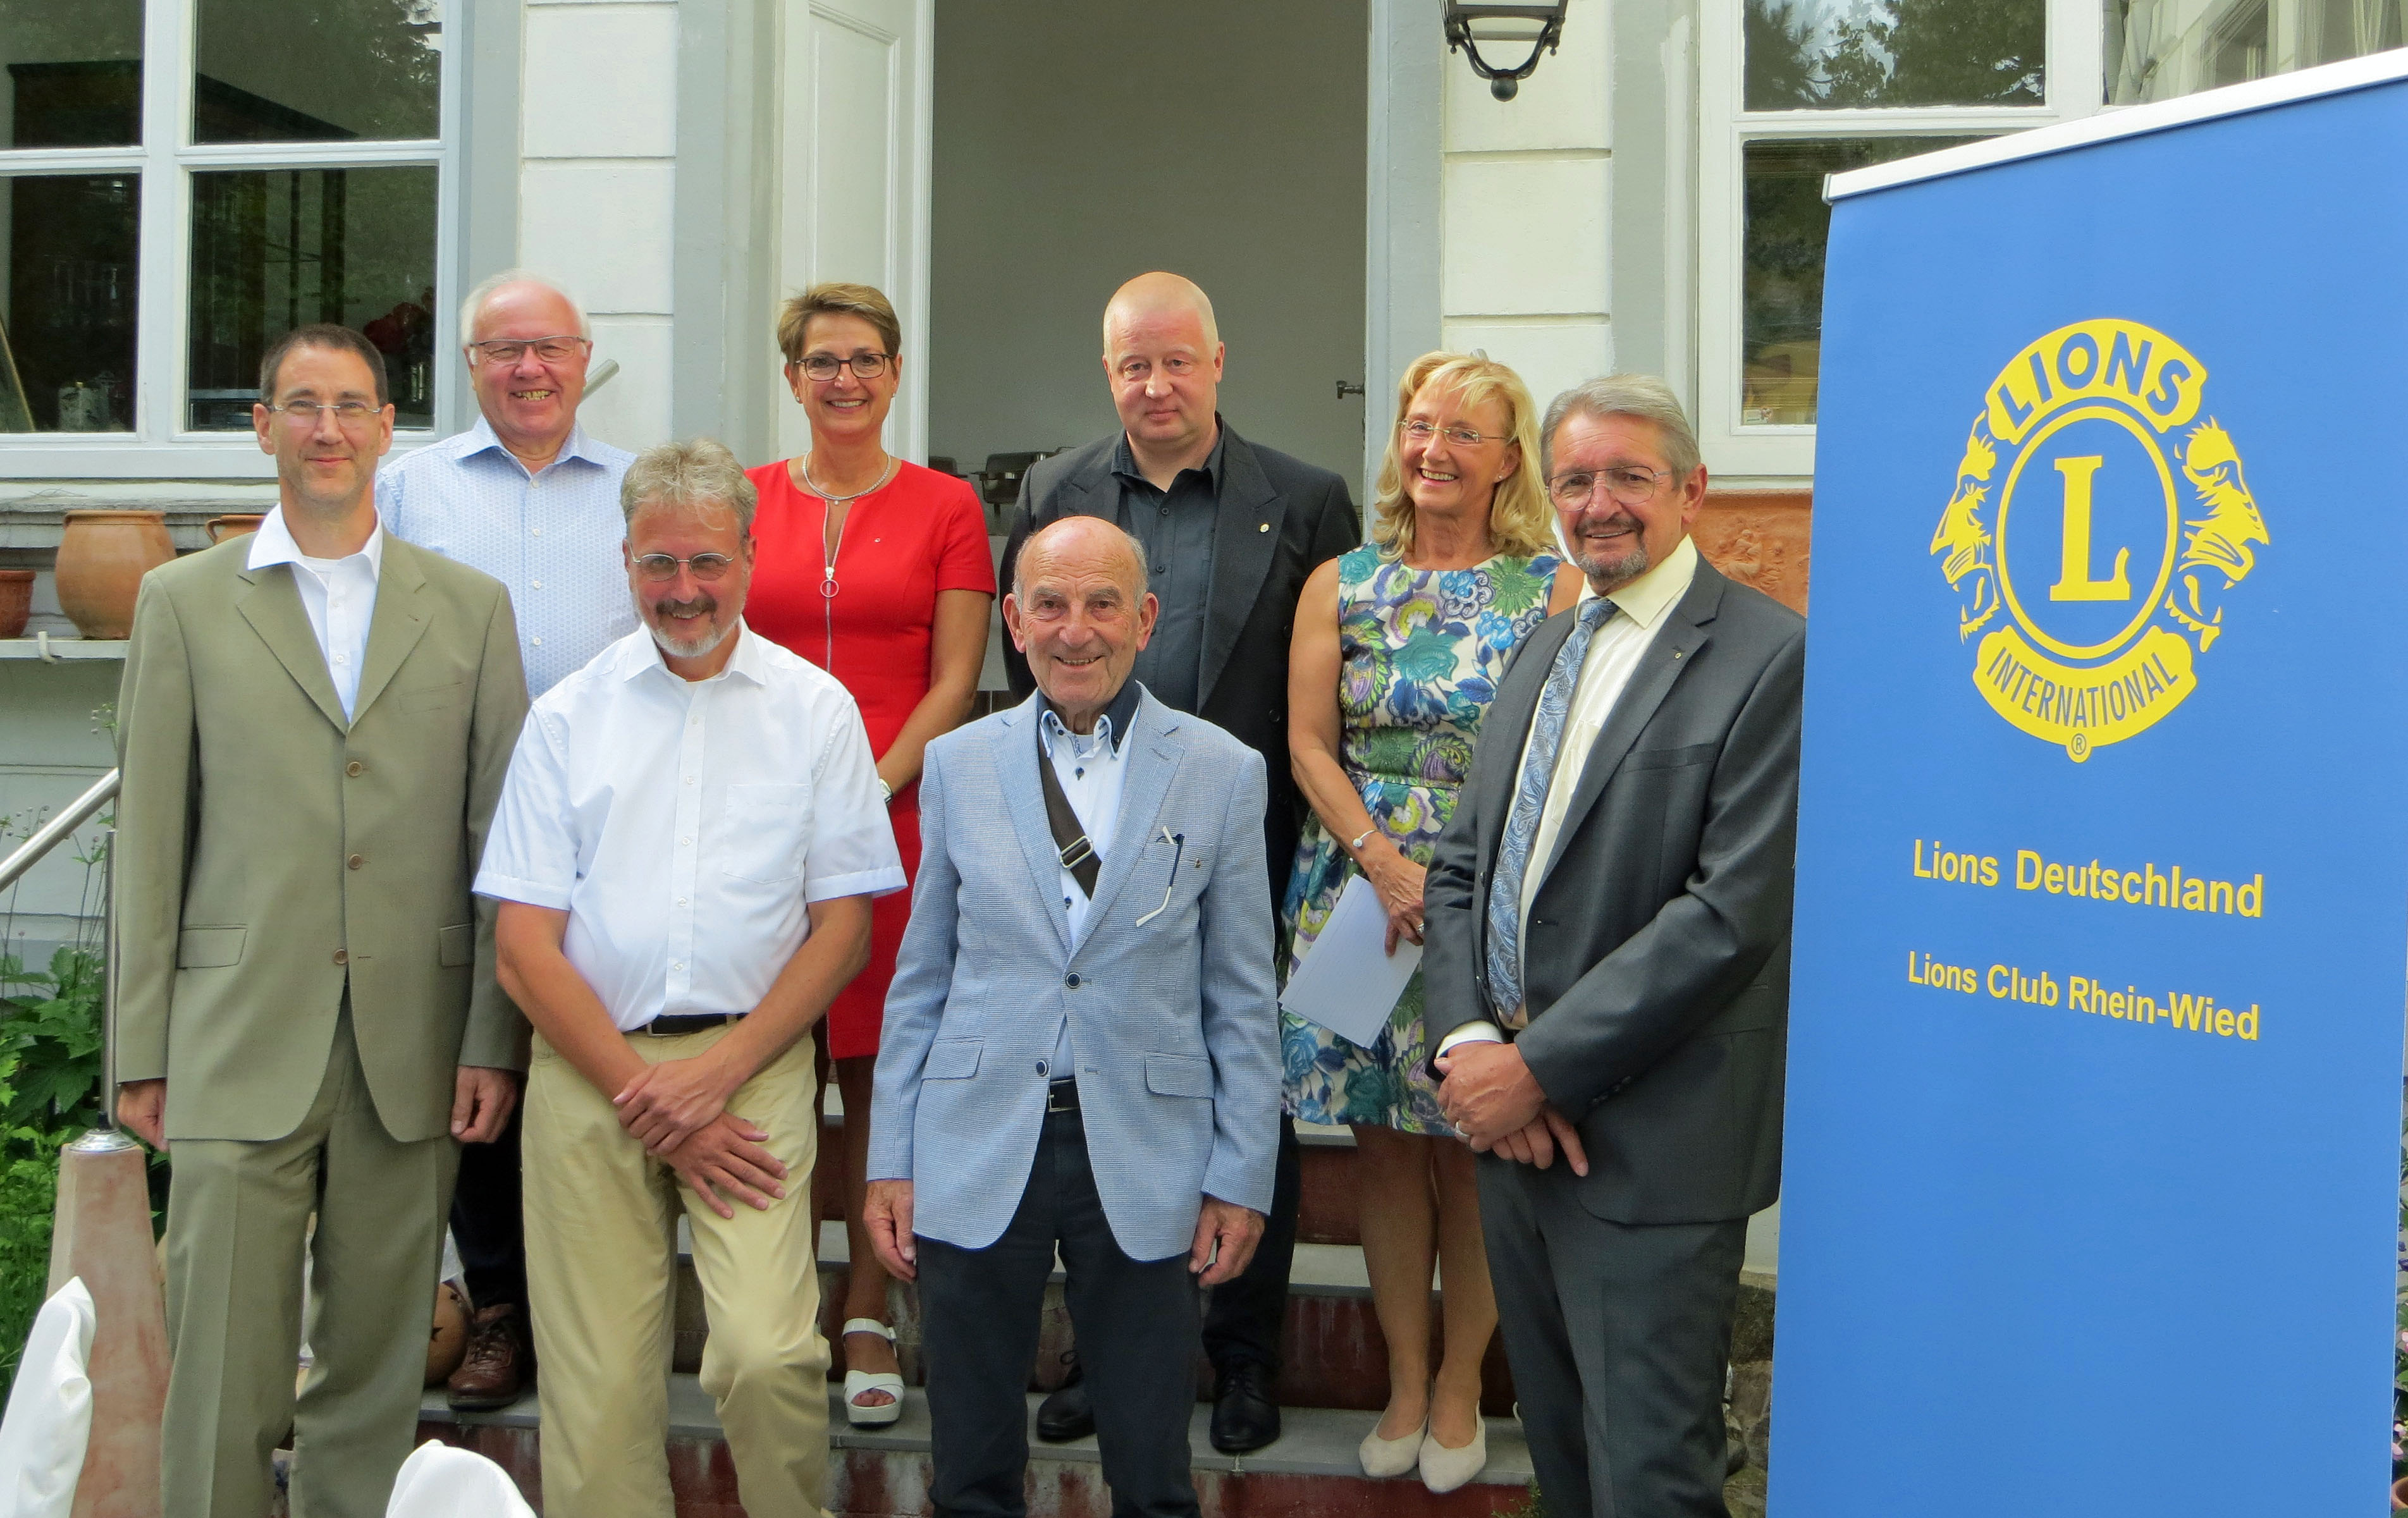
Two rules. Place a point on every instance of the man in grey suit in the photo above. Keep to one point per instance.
(1081, 1049)
(1609, 919)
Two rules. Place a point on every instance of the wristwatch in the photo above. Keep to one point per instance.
(885, 792)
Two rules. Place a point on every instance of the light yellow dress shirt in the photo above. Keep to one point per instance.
(1614, 654)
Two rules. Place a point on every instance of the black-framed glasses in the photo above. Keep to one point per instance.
(557, 349)
(1627, 484)
(304, 413)
(823, 367)
(664, 567)
(1462, 437)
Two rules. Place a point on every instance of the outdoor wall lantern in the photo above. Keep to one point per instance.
(1541, 26)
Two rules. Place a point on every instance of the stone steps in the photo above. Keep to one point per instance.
(1310, 1472)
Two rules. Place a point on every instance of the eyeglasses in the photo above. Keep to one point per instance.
(1628, 484)
(554, 350)
(1421, 431)
(664, 567)
(304, 413)
(823, 367)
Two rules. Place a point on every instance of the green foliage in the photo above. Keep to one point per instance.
(29, 1185)
(49, 1042)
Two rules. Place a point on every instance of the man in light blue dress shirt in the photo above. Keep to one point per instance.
(527, 497)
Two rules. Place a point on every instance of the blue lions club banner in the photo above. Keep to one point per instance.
(2102, 876)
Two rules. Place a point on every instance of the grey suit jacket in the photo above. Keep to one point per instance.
(271, 852)
(1173, 1020)
(1655, 963)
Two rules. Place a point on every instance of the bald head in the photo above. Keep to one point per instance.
(1162, 354)
(1159, 294)
(1081, 546)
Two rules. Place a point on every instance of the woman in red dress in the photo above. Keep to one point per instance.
(878, 571)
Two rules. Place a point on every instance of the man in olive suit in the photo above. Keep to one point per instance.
(313, 729)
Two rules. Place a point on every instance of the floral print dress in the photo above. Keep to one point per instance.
(1420, 655)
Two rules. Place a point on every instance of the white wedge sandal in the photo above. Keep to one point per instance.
(858, 1381)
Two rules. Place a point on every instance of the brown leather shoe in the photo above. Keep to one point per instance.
(499, 1364)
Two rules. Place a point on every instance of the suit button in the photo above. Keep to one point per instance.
(355, 862)
(1071, 981)
(342, 956)
(355, 769)
(1040, 1067)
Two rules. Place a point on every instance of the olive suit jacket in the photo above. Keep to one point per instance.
(269, 852)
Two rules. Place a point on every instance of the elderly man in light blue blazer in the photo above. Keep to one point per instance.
(1082, 1041)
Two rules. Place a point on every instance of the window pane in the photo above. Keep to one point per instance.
(1835, 54)
(276, 249)
(1788, 225)
(74, 77)
(2159, 49)
(67, 326)
(316, 70)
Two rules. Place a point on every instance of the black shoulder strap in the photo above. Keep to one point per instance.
(1078, 855)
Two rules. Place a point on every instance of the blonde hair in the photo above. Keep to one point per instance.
(1519, 522)
(837, 299)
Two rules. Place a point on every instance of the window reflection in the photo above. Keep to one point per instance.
(316, 70)
(2160, 49)
(67, 302)
(1845, 54)
(70, 72)
(275, 249)
(1788, 226)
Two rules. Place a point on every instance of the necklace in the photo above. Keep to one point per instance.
(830, 552)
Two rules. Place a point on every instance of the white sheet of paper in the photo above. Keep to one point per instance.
(1348, 981)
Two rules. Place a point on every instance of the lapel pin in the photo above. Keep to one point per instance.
(1262, 526)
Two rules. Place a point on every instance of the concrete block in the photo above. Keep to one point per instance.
(1525, 236)
(600, 81)
(603, 228)
(1551, 356)
(1567, 103)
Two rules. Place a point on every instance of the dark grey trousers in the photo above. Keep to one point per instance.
(1136, 1328)
(1618, 1336)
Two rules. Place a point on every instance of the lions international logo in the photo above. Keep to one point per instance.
(2097, 524)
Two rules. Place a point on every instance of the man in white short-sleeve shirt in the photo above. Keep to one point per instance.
(684, 856)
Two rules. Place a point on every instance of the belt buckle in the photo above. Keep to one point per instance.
(1062, 1097)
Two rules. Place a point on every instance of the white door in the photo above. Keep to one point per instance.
(855, 107)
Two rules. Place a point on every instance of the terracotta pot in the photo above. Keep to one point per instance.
(234, 525)
(16, 601)
(102, 560)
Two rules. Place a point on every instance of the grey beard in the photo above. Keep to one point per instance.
(1615, 573)
(684, 648)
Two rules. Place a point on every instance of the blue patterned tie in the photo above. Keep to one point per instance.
(1529, 800)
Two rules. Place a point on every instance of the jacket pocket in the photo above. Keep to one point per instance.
(434, 698)
(1179, 1075)
(1696, 754)
(455, 946)
(209, 948)
(953, 1059)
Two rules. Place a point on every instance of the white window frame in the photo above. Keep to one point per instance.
(2075, 83)
(160, 446)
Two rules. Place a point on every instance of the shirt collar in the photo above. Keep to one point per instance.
(1124, 459)
(1646, 599)
(643, 656)
(273, 543)
(482, 439)
(1113, 724)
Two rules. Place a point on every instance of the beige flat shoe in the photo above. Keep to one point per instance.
(1391, 1456)
(1445, 1469)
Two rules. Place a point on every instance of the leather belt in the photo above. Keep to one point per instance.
(1062, 1097)
(685, 1022)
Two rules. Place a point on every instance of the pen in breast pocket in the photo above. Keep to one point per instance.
(1178, 842)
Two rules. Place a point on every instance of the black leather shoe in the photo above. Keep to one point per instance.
(1244, 1417)
(1066, 1414)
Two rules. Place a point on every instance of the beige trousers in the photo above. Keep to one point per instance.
(238, 1213)
(601, 1231)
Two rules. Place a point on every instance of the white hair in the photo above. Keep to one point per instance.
(475, 300)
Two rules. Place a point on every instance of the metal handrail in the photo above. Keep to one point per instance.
(56, 831)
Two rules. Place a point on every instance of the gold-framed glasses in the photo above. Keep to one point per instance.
(1625, 484)
(664, 567)
(1460, 436)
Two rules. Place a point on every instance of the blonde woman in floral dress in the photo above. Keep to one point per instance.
(1398, 649)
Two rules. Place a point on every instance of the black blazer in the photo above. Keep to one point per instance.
(1656, 956)
(1257, 575)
